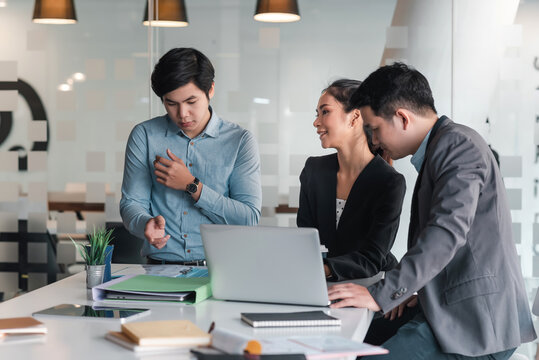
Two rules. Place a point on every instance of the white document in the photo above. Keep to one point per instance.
(323, 346)
(157, 270)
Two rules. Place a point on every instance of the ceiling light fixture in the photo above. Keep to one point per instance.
(166, 13)
(277, 11)
(54, 12)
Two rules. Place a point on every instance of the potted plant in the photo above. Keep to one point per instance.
(95, 254)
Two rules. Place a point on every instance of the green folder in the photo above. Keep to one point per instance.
(158, 288)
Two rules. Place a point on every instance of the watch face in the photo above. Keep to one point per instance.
(192, 188)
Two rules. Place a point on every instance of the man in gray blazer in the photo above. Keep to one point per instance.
(461, 259)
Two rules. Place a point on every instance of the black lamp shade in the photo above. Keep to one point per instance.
(277, 11)
(54, 12)
(167, 13)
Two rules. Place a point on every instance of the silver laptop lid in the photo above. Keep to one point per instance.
(265, 264)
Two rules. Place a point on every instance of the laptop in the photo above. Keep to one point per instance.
(265, 264)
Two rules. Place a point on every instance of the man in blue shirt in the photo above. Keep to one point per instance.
(188, 167)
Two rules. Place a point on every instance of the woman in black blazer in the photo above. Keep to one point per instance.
(353, 198)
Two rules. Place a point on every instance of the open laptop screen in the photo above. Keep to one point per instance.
(265, 264)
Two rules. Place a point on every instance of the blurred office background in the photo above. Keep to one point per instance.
(70, 94)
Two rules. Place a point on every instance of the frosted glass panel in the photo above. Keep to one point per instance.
(9, 191)
(37, 222)
(95, 192)
(66, 223)
(37, 161)
(9, 222)
(8, 71)
(8, 100)
(397, 37)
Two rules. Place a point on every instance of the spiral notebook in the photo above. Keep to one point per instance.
(303, 318)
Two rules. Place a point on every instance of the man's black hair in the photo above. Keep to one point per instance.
(392, 87)
(179, 67)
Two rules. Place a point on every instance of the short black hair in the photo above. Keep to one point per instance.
(342, 91)
(392, 87)
(179, 67)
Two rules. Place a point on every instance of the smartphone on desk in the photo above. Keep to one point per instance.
(93, 312)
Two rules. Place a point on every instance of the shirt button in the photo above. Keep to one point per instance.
(185, 212)
(184, 236)
(190, 164)
(188, 251)
(192, 143)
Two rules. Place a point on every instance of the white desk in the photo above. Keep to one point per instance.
(69, 339)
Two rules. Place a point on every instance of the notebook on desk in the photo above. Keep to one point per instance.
(265, 264)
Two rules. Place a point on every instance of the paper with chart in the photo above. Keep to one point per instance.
(163, 270)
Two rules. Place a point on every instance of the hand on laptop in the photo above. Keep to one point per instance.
(352, 295)
(154, 232)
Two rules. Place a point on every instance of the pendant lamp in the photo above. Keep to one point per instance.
(54, 12)
(277, 11)
(167, 13)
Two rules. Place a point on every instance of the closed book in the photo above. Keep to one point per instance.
(166, 332)
(21, 325)
(303, 318)
(122, 340)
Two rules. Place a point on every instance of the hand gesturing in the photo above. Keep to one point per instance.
(154, 232)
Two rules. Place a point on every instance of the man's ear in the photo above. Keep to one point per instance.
(212, 90)
(404, 118)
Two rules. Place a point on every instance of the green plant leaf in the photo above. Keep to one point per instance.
(96, 252)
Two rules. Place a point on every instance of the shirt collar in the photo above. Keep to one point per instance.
(212, 127)
(419, 156)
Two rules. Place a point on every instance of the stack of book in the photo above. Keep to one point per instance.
(159, 336)
(21, 330)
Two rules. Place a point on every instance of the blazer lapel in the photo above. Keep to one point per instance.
(356, 192)
(414, 213)
(327, 206)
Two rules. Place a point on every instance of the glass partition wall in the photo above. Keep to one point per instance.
(70, 95)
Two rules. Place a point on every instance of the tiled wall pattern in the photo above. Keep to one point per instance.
(268, 79)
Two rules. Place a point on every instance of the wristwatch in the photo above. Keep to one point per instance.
(192, 187)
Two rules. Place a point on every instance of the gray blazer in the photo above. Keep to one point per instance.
(461, 258)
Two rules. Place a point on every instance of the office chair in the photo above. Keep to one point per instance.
(126, 246)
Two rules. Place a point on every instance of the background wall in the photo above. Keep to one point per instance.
(480, 56)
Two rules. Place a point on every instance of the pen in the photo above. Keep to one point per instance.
(212, 326)
(185, 271)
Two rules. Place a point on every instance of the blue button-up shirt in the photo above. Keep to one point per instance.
(419, 155)
(224, 157)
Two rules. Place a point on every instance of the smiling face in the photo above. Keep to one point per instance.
(332, 123)
(188, 106)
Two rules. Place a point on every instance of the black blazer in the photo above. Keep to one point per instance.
(360, 246)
